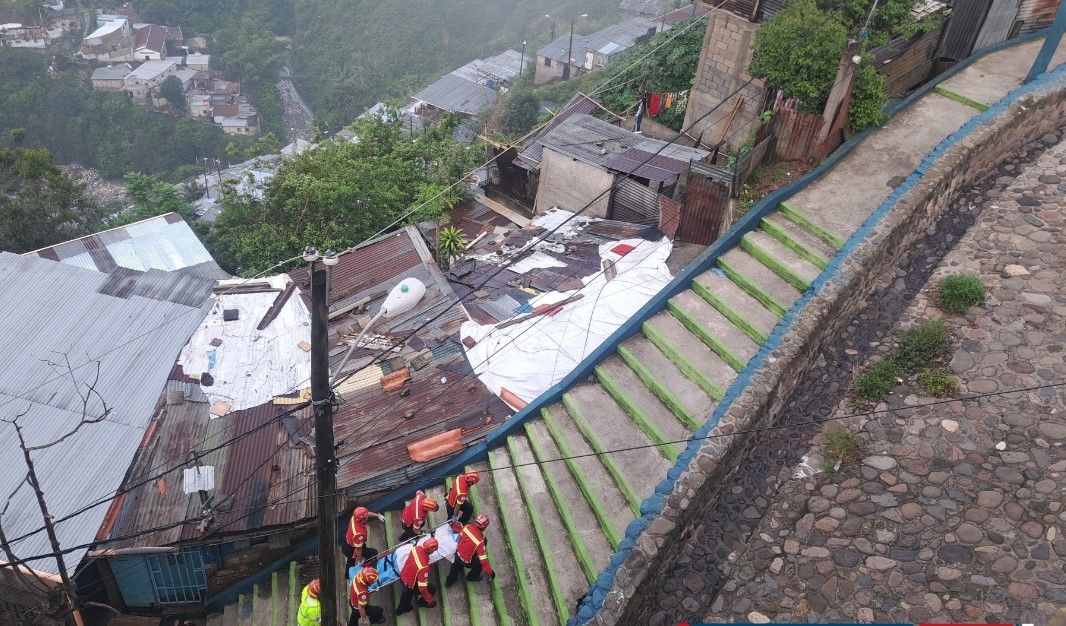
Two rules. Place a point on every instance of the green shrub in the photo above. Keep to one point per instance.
(841, 446)
(867, 100)
(876, 382)
(959, 292)
(921, 344)
(938, 382)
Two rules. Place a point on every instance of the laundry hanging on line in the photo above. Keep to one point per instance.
(663, 101)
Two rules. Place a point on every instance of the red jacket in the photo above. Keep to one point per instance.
(459, 491)
(356, 535)
(415, 572)
(471, 542)
(413, 514)
(358, 594)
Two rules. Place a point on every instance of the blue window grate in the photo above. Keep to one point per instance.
(178, 578)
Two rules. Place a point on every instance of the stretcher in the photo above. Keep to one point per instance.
(390, 563)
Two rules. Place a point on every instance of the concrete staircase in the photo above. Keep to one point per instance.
(556, 523)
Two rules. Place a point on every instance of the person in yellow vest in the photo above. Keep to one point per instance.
(310, 613)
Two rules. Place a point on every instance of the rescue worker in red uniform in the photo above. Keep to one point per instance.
(415, 574)
(413, 517)
(459, 496)
(355, 538)
(359, 599)
(470, 552)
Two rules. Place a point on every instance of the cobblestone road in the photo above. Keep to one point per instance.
(955, 513)
(724, 571)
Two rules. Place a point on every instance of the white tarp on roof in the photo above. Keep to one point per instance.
(249, 366)
(529, 358)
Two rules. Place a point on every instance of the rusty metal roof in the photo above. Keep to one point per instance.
(530, 157)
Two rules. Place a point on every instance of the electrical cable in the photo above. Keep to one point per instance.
(712, 435)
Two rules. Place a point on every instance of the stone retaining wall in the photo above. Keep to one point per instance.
(963, 159)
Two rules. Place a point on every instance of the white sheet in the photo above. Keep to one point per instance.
(529, 358)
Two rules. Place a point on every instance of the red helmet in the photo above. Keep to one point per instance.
(473, 478)
(429, 504)
(314, 588)
(481, 521)
(360, 513)
(367, 576)
(430, 545)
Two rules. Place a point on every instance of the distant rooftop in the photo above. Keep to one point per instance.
(458, 95)
(502, 67)
(164, 242)
(623, 35)
(107, 28)
(150, 70)
(150, 37)
(111, 72)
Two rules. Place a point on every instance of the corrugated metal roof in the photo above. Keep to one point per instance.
(53, 309)
(579, 103)
(111, 72)
(600, 143)
(164, 242)
(458, 95)
(502, 67)
(625, 34)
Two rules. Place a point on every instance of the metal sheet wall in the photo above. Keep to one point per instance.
(704, 212)
(797, 134)
(967, 16)
(634, 202)
(1037, 14)
(907, 64)
(998, 24)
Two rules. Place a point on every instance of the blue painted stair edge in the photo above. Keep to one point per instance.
(652, 507)
(705, 261)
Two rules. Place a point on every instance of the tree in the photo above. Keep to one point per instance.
(798, 51)
(670, 68)
(40, 204)
(341, 193)
(867, 99)
(152, 197)
(173, 92)
(522, 110)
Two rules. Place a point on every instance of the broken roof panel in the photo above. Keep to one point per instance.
(164, 242)
(579, 103)
(53, 311)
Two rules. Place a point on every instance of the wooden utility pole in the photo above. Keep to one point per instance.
(49, 528)
(325, 463)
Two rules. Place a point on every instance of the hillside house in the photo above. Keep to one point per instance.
(240, 125)
(150, 43)
(141, 82)
(110, 78)
(590, 51)
(583, 157)
(198, 62)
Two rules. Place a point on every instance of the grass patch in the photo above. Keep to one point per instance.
(841, 447)
(921, 344)
(938, 382)
(763, 180)
(959, 292)
(876, 382)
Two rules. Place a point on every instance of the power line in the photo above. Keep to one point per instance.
(712, 435)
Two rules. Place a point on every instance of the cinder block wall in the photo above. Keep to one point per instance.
(571, 184)
(724, 59)
(926, 198)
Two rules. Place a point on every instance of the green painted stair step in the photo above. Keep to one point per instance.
(598, 485)
(710, 326)
(747, 313)
(686, 401)
(826, 235)
(690, 354)
(803, 242)
(539, 600)
(506, 596)
(780, 258)
(761, 282)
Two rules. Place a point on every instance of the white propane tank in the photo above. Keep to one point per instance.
(403, 297)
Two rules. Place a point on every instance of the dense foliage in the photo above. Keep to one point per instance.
(798, 51)
(39, 204)
(521, 108)
(340, 193)
(349, 55)
(670, 68)
(103, 130)
(152, 197)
